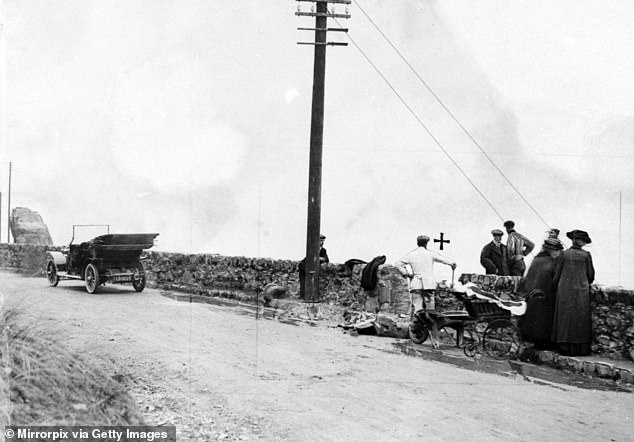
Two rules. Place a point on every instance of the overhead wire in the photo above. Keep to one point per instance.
(449, 112)
(423, 125)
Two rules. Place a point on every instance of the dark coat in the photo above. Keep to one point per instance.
(540, 275)
(536, 324)
(370, 276)
(323, 255)
(494, 259)
(573, 275)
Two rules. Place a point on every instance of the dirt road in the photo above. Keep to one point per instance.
(220, 374)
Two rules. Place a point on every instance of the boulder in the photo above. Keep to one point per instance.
(27, 227)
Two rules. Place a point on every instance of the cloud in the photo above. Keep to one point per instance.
(610, 144)
(166, 130)
(291, 94)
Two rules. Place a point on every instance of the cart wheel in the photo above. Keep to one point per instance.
(51, 274)
(91, 277)
(471, 350)
(418, 336)
(501, 339)
(471, 343)
(138, 279)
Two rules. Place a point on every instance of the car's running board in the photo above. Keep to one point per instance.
(64, 275)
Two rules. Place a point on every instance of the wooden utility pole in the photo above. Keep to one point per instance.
(9, 208)
(311, 292)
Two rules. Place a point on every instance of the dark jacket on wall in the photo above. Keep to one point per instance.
(369, 276)
(494, 259)
(348, 266)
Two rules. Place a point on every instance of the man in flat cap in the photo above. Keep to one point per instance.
(323, 254)
(518, 246)
(494, 256)
(301, 267)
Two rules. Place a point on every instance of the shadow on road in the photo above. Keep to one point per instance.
(538, 374)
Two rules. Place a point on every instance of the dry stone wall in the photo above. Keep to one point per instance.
(25, 258)
(243, 278)
(613, 321)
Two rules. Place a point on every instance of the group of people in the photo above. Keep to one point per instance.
(506, 260)
(556, 285)
(557, 289)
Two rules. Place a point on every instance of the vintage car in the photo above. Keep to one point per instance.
(113, 258)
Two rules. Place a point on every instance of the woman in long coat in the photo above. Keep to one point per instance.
(574, 272)
(536, 324)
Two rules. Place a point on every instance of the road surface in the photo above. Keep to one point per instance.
(219, 374)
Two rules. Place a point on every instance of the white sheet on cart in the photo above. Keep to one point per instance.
(517, 308)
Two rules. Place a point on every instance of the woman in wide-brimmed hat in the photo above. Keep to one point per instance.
(538, 286)
(574, 272)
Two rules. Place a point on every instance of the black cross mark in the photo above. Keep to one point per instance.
(442, 240)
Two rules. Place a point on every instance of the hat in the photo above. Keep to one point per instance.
(552, 244)
(553, 233)
(422, 238)
(497, 232)
(509, 223)
(322, 236)
(579, 234)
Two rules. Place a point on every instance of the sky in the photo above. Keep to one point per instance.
(192, 119)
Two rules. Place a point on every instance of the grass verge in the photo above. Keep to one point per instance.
(42, 383)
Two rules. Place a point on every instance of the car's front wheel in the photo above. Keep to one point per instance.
(91, 278)
(51, 274)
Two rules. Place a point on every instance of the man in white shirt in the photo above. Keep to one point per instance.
(423, 284)
(422, 288)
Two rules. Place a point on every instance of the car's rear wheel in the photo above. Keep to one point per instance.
(138, 279)
(91, 278)
(51, 274)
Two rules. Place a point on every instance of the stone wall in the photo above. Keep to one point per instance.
(242, 277)
(613, 321)
(24, 257)
(228, 276)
